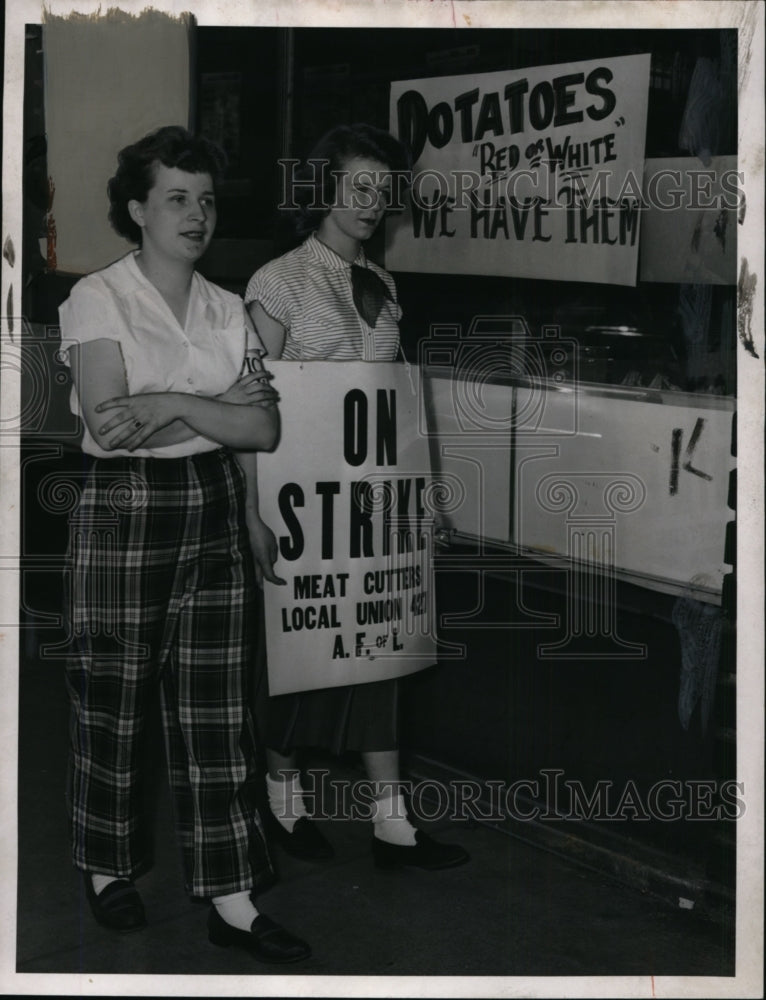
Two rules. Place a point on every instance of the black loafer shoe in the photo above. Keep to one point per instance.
(266, 940)
(425, 853)
(118, 906)
(305, 841)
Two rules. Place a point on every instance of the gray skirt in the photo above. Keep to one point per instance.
(355, 717)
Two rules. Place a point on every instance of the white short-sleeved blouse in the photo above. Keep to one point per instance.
(204, 356)
(308, 291)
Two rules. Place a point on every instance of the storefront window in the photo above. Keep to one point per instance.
(676, 331)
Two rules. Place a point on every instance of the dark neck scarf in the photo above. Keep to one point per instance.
(370, 292)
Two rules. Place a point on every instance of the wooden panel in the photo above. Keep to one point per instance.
(142, 64)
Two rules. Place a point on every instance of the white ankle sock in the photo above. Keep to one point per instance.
(236, 909)
(390, 823)
(286, 799)
(100, 882)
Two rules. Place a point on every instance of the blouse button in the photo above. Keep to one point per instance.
(190, 381)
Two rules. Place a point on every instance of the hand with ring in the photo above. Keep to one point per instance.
(136, 418)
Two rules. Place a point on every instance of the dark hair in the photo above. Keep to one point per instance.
(171, 146)
(317, 188)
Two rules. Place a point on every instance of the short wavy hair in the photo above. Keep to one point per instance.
(316, 190)
(172, 146)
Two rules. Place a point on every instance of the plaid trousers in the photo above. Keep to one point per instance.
(160, 595)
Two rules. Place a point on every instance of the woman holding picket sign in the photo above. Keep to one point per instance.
(325, 301)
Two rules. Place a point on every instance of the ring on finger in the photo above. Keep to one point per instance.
(137, 424)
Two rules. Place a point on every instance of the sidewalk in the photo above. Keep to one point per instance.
(514, 910)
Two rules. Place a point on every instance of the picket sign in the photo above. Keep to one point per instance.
(348, 494)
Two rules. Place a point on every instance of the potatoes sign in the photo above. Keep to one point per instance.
(534, 173)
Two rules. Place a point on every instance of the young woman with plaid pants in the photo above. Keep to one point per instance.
(160, 573)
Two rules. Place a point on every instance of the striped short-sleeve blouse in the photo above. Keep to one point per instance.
(308, 291)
